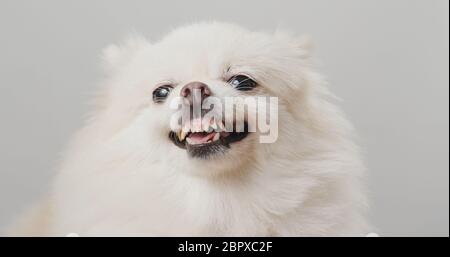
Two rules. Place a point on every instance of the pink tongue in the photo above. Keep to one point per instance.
(201, 138)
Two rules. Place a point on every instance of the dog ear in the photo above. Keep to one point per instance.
(303, 45)
(116, 55)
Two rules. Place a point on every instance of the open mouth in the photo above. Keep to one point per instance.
(207, 141)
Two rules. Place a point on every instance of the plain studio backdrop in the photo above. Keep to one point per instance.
(387, 60)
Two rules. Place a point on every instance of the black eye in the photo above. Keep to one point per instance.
(161, 93)
(242, 83)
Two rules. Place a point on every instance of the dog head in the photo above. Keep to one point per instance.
(206, 65)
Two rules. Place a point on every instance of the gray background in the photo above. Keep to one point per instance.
(388, 61)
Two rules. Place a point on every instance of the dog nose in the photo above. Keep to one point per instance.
(195, 90)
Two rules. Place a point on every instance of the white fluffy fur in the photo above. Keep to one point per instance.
(122, 176)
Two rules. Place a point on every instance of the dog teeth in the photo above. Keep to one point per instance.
(205, 126)
(195, 126)
(214, 125)
(186, 127)
(189, 141)
(221, 126)
(182, 135)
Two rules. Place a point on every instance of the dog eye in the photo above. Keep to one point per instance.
(161, 93)
(242, 83)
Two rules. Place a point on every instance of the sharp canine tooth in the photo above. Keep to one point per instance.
(189, 141)
(182, 135)
(216, 137)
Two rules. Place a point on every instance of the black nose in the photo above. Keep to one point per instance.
(195, 91)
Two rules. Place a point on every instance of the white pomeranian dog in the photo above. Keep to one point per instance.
(131, 172)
